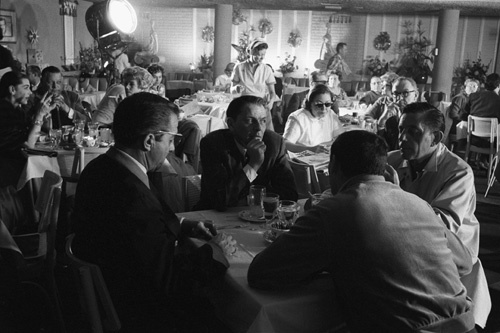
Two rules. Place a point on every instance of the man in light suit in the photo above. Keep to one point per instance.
(122, 223)
(427, 168)
(243, 155)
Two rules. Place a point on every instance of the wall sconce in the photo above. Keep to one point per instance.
(191, 67)
(107, 19)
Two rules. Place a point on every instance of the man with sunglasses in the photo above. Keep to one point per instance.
(122, 223)
(297, 99)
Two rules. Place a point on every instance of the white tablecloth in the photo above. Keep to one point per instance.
(309, 308)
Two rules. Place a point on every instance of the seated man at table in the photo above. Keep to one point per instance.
(428, 169)
(395, 266)
(297, 99)
(375, 92)
(120, 221)
(69, 105)
(134, 80)
(243, 155)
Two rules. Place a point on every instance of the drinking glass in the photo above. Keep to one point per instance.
(105, 135)
(288, 212)
(66, 134)
(55, 137)
(77, 136)
(80, 124)
(93, 131)
(270, 203)
(316, 199)
(255, 196)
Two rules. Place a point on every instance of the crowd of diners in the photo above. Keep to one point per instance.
(396, 231)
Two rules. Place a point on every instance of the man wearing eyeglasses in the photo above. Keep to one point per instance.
(121, 221)
(375, 91)
(297, 99)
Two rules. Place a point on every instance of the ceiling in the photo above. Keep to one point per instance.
(394, 7)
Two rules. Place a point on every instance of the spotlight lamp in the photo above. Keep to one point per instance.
(107, 20)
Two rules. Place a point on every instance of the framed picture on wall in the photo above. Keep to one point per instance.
(8, 26)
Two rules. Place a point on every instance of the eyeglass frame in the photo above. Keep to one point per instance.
(166, 132)
(404, 94)
(322, 105)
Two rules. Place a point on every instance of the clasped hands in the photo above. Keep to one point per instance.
(198, 229)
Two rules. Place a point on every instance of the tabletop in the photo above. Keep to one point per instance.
(309, 308)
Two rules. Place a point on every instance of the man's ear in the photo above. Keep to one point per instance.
(438, 137)
(230, 123)
(148, 142)
(12, 90)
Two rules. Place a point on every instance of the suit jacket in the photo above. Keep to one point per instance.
(124, 227)
(223, 181)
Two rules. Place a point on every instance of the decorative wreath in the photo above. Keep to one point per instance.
(265, 26)
(238, 17)
(382, 42)
(294, 39)
(207, 34)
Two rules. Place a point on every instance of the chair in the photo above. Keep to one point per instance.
(93, 292)
(191, 189)
(82, 157)
(94, 82)
(38, 247)
(306, 179)
(494, 165)
(103, 84)
(200, 84)
(482, 127)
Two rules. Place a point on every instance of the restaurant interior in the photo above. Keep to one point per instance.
(194, 40)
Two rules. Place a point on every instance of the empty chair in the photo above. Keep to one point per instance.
(191, 189)
(93, 292)
(485, 128)
(306, 179)
(495, 172)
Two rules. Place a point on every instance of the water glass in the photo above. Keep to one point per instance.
(66, 136)
(288, 212)
(55, 137)
(80, 124)
(93, 131)
(270, 204)
(255, 197)
(77, 136)
(105, 135)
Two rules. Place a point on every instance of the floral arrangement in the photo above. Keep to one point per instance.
(265, 26)
(288, 65)
(243, 42)
(471, 70)
(90, 59)
(238, 17)
(382, 42)
(294, 39)
(413, 49)
(206, 61)
(376, 66)
(207, 34)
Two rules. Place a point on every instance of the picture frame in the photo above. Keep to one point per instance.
(8, 25)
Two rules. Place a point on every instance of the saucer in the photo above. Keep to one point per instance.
(245, 216)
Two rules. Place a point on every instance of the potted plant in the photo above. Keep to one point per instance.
(288, 65)
(415, 57)
(376, 66)
(90, 60)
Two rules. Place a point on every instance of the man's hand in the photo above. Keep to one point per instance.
(46, 105)
(255, 150)
(59, 101)
(391, 110)
(199, 229)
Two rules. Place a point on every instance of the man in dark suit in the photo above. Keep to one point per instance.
(243, 155)
(295, 102)
(121, 222)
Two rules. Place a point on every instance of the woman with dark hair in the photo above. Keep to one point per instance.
(253, 77)
(315, 126)
(339, 94)
(157, 88)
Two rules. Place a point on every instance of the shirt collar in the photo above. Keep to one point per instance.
(432, 164)
(131, 159)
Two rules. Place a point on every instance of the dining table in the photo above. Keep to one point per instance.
(311, 307)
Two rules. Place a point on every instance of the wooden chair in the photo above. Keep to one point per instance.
(93, 292)
(191, 189)
(38, 247)
(486, 128)
(306, 179)
(494, 165)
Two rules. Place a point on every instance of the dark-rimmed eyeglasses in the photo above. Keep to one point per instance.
(320, 82)
(165, 132)
(403, 93)
(321, 105)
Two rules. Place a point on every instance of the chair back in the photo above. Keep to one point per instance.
(306, 179)
(495, 171)
(434, 97)
(47, 201)
(94, 295)
(200, 84)
(82, 157)
(191, 190)
(482, 127)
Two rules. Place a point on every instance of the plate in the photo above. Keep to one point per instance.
(269, 236)
(245, 216)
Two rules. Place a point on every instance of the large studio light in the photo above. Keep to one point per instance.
(108, 19)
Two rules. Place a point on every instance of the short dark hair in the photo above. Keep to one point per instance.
(433, 118)
(12, 78)
(340, 46)
(492, 81)
(33, 69)
(359, 153)
(317, 90)
(140, 114)
(155, 68)
(407, 79)
(338, 73)
(237, 105)
(49, 70)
